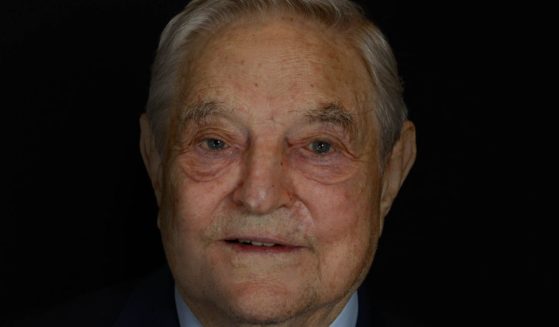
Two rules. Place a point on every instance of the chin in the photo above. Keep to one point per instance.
(255, 304)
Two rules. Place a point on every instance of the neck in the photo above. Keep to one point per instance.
(210, 315)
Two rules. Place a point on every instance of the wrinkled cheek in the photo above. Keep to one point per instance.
(192, 206)
(180, 242)
(348, 235)
(182, 222)
(205, 170)
(347, 212)
(173, 215)
(349, 257)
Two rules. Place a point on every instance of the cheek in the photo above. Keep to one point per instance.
(193, 203)
(342, 207)
(207, 167)
(343, 213)
(345, 225)
(332, 169)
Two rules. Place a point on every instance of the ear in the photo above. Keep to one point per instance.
(397, 166)
(151, 156)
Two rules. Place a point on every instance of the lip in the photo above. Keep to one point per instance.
(280, 245)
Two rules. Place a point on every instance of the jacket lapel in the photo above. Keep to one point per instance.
(152, 303)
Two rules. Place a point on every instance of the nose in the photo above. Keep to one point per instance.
(263, 186)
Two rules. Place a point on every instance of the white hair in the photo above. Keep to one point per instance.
(343, 15)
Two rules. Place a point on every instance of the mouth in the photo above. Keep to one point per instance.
(260, 245)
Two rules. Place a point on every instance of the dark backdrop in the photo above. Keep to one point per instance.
(467, 238)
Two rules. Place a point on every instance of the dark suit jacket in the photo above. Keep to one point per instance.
(151, 303)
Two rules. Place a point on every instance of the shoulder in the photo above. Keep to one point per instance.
(146, 302)
(371, 314)
(373, 311)
(100, 308)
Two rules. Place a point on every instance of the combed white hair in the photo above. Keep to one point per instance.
(343, 15)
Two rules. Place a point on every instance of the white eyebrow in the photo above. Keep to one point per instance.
(335, 114)
(199, 111)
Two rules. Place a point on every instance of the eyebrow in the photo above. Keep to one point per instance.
(200, 111)
(331, 113)
(335, 114)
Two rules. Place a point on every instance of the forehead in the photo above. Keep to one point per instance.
(281, 61)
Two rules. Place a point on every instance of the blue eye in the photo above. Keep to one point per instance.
(320, 147)
(215, 144)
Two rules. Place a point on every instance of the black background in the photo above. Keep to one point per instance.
(467, 242)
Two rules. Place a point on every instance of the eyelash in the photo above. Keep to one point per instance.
(205, 143)
(202, 143)
(310, 148)
(332, 155)
(322, 148)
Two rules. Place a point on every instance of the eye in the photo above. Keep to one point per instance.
(214, 144)
(320, 147)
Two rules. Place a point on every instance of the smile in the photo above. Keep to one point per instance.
(254, 243)
(259, 245)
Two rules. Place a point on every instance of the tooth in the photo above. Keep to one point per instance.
(254, 243)
(262, 244)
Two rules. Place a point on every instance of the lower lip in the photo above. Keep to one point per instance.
(247, 248)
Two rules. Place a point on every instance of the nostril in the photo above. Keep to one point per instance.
(260, 192)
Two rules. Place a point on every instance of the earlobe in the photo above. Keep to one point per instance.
(398, 166)
(150, 156)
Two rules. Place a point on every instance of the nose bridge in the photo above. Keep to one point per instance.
(262, 187)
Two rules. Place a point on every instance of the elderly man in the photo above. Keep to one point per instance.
(276, 140)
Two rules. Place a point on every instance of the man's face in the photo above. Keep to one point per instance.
(270, 200)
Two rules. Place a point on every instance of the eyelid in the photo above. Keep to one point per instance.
(338, 146)
(333, 146)
(335, 142)
(333, 129)
(212, 133)
(231, 139)
(204, 144)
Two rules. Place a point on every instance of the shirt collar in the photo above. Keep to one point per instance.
(186, 317)
(346, 318)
